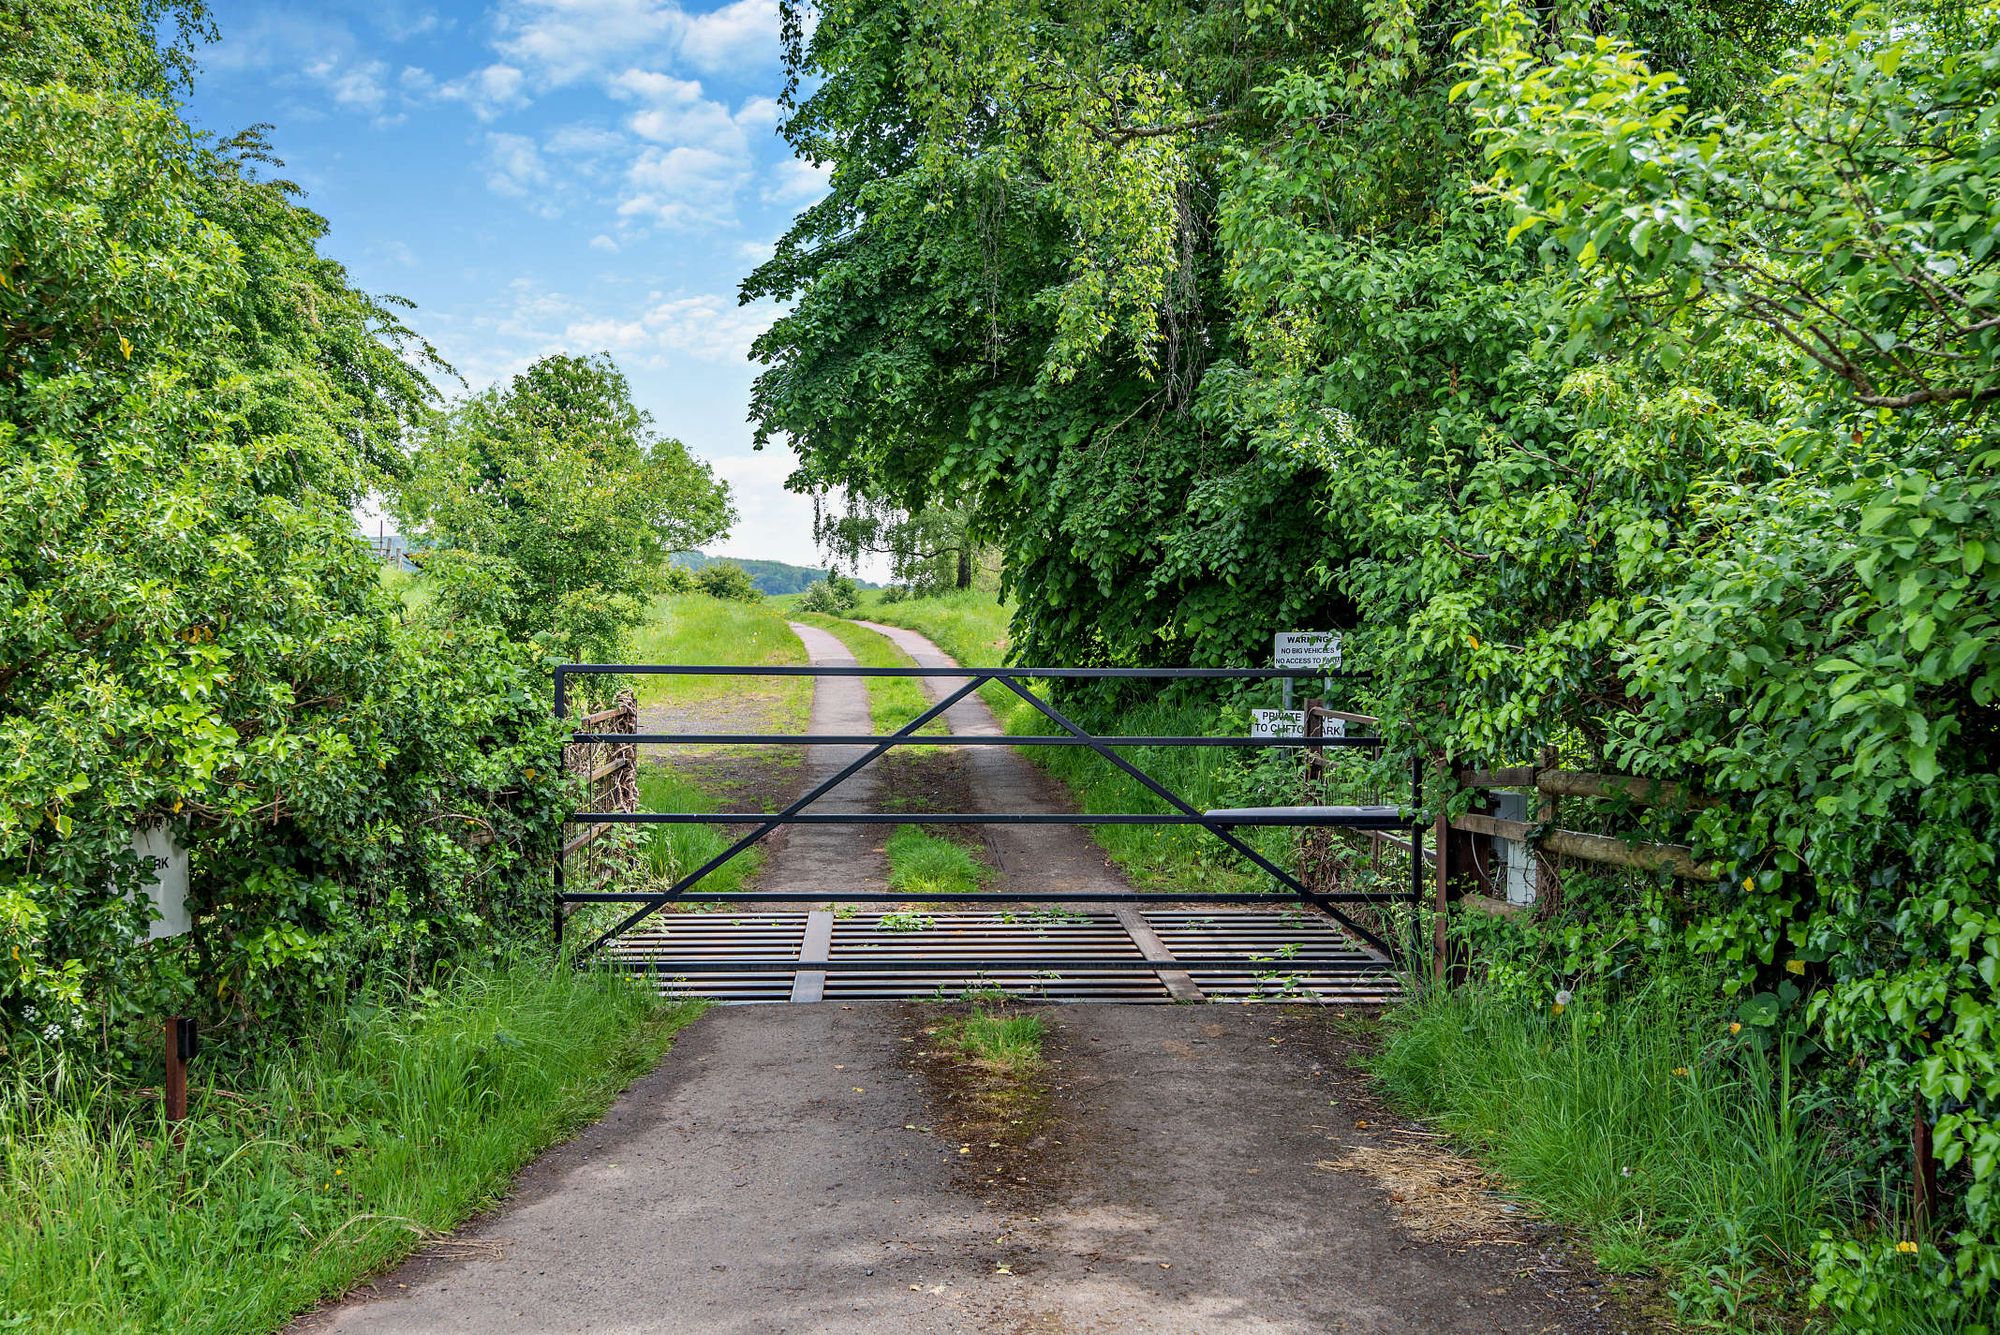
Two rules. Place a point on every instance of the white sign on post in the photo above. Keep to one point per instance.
(1333, 727)
(167, 891)
(1277, 723)
(1306, 649)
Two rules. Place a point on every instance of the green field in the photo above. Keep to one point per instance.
(695, 629)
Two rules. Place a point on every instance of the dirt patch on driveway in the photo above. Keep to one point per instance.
(1009, 1129)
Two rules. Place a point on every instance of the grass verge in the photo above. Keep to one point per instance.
(922, 863)
(310, 1170)
(1672, 1149)
(971, 625)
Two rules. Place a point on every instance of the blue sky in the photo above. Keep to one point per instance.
(547, 175)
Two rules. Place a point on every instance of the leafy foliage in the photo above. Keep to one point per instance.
(1635, 413)
(191, 633)
(833, 596)
(1819, 633)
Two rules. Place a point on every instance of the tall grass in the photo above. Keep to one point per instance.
(296, 1176)
(672, 851)
(1673, 1147)
(970, 625)
(1011, 1044)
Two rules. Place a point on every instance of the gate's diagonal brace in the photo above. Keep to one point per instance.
(1222, 832)
(656, 902)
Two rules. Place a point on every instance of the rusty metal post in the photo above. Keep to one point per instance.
(176, 1084)
(180, 1035)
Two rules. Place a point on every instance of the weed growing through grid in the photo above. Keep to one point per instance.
(900, 921)
(1049, 915)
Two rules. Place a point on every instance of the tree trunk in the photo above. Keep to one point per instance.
(965, 566)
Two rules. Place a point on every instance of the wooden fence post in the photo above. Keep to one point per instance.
(1548, 882)
(1441, 903)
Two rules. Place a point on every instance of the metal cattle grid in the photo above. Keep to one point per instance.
(1294, 943)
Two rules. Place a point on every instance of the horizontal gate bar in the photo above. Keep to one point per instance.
(1041, 963)
(975, 818)
(945, 739)
(989, 897)
(1067, 674)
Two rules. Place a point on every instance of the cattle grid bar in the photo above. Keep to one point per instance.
(1223, 953)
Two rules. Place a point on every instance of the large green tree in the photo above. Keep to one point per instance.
(549, 507)
(1115, 279)
(1816, 629)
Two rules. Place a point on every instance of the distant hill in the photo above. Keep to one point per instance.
(772, 577)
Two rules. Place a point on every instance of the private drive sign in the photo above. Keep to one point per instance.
(1277, 723)
(1305, 649)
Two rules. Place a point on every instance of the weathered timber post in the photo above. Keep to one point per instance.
(1548, 881)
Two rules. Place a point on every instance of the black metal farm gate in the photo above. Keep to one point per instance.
(1074, 945)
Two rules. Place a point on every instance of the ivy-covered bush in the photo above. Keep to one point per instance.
(191, 632)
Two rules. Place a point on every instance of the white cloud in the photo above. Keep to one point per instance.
(603, 242)
(583, 141)
(682, 187)
(706, 327)
(702, 157)
(759, 113)
(489, 91)
(795, 181)
(356, 85)
(399, 23)
(514, 165)
(674, 111)
(741, 34)
(568, 40)
(712, 328)
(755, 252)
